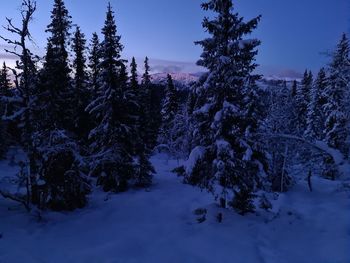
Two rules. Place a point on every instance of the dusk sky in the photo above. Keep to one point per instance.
(295, 34)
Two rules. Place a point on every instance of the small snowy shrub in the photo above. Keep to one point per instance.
(243, 202)
(63, 185)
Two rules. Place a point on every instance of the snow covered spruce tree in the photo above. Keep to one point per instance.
(134, 82)
(61, 166)
(315, 115)
(173, 132)
(94, 63)
(111, 138)
(5, 92)
(147, 130)
(227, 160)
(143, 168)
(55, 80)
(337, 93)
(80, 81)
(5, 82)
(179, 134)
(302, 100)
(169, 110)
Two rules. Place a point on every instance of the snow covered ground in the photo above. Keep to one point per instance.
(159, 226)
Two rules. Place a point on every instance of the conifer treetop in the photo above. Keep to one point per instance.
(146, 78)
(111, 43)
(226, 44)
(60, 25)
(133, 71)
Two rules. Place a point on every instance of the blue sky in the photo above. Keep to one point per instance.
(294, 33)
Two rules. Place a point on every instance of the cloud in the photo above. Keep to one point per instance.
(7, 46)
(7, 56)
(169, 66)
(4, 55)
(167, 69)
(280, 72)
(290, 73)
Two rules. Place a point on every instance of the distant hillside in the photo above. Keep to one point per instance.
(181, 80)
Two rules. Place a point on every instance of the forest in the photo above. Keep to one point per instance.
(84, 122)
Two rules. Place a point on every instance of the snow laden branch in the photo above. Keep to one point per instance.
(16, 198)
(320, 146)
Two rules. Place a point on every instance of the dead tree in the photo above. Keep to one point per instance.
(25, 83)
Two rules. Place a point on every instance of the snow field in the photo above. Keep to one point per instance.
(158, 225)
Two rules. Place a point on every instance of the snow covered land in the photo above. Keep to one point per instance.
(159, 225)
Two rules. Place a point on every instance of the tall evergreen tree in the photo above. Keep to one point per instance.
(146, 77)
(227, 158)
(148, 133)
(143, 168)
(179, 134)
(170, 105)
(110, 139)
(55, 81)
(79, 62)
(315, 116)
(337, 94)
(169, 110)
(134, 93)
(5, 86)
(81, 92)
(60, 164)
(5, 82)
(302, 100)
(134, 82)
(94, 62)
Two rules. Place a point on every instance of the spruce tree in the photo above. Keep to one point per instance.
(55, 79)
(94, 63)
(169, 110)
(337, 94)
(302, 100)
(134, 82)
(226, 157)
(80, 83)
(170, 105)
(112, 156)
(147, 131)
(5, 91)
(143, 168)
(5, 82)
(179, 134)
(134, 94)
(315, 115)
(60, 164)
(79, 62)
